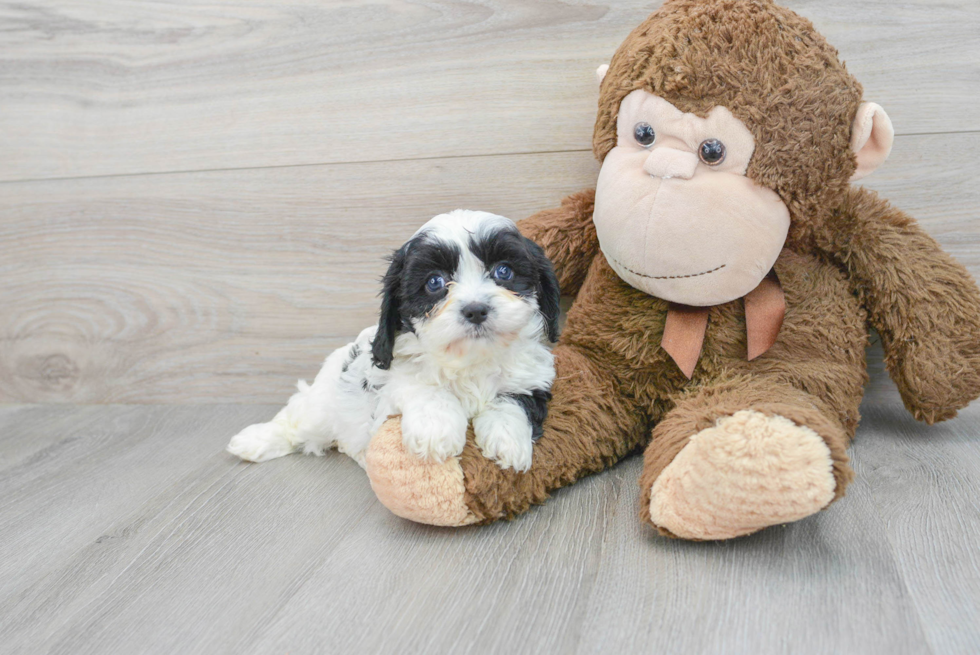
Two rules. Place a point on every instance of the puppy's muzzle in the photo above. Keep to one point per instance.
(476, 312)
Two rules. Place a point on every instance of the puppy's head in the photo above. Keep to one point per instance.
(467, 280)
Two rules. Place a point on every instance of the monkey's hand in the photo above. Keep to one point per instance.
(924, 304)
(937, 374)
(568, 237)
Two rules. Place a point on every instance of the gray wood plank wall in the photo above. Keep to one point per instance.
(195, 199)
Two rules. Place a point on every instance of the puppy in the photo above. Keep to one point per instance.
(469, 310)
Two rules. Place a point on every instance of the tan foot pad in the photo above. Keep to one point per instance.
(416, 489)
(746, 473)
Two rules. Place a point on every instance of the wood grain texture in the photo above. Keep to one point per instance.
(113, 87)
(221, 286)
(227, 286)
(131, 531)
(128, 490)
(924, 486)
(923, 482)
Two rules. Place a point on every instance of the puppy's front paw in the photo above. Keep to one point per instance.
(261, 442)
(434, 433)
(504, 435)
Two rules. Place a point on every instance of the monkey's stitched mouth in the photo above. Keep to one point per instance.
(668, 277)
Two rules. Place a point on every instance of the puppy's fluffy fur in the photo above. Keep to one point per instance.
(469, 309)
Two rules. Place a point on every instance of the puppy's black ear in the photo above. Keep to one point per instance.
(390, 322)
(547, 290)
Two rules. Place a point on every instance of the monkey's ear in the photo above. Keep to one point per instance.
(600, 73)
(872, 136)
(390, 321)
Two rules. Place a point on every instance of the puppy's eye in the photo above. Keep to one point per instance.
(435, 284)
(644, 134)
(503, 272)
(712, 152)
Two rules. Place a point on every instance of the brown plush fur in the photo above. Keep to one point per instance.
(922, 302)
(851, 261)
(771, 69)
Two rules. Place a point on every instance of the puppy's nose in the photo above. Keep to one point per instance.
(476, 312)
(666, 163)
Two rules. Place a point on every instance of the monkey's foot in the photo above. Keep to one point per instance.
(747, 472)
(418, 489)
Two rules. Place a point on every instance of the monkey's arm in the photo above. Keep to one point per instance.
(568, 237)
(923, 303)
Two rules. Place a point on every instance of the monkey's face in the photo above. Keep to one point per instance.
(675, 213)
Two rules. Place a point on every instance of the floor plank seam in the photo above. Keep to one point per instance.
(307, 575)
(893, 552)
(138, 557)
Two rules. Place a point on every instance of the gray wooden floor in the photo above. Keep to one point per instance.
(195, 202)
(125, 528)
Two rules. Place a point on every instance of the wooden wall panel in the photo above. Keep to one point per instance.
(227, 286)
(198, 197)
(115, 87)
(221, 286)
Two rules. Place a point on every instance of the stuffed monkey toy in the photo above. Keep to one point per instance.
(725, 274)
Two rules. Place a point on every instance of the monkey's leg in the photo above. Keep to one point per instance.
(740, 455)
(591, 425)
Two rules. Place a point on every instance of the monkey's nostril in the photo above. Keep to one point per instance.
(476, 312)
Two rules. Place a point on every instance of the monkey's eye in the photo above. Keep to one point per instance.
(435, 283)
(644, 134)
(712, 152)
(503, 272)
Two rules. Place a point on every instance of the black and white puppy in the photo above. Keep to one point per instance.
(469, 310)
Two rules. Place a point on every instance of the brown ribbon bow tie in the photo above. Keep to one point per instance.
(765, 307)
